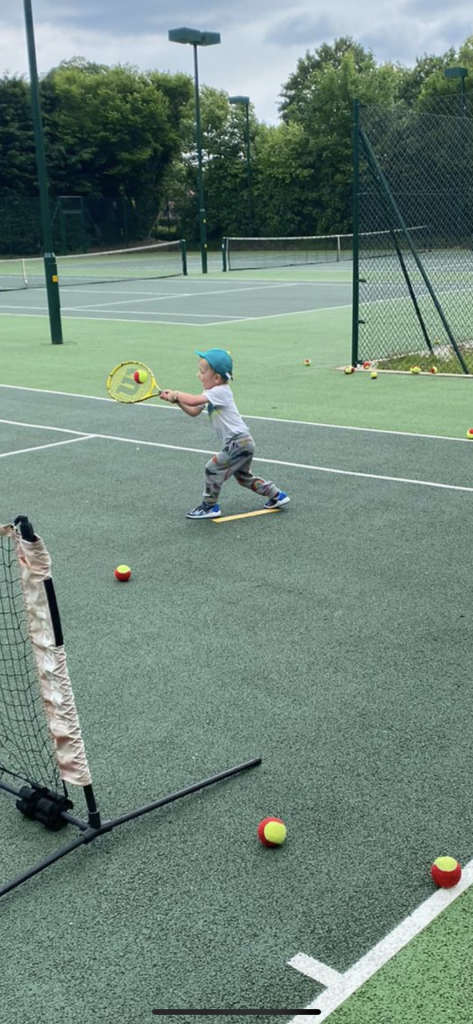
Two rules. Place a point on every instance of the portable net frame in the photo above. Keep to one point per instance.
(141, 263)
(41, 745)
(413, 181)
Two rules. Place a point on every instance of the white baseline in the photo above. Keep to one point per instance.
(340, 986)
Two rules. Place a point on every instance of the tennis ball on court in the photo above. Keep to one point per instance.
(373, 375)
(446, 872)
(415, 369)
(140, 376)
(122, 572)
(433, 369)
(306, 362)
(272, 831)
(349, 369)
(469, 433)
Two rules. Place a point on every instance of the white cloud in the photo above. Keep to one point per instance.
(261, 43)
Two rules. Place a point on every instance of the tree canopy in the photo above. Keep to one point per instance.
(126, 137)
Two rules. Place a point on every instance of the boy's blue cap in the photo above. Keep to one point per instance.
(219, 360)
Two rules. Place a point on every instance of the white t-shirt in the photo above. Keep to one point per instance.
(223, 413)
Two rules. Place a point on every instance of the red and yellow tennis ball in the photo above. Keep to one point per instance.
(469, 433)
(349, 369)
(433, 369)
(306, 362)
(272, 831)
(140, 376)
(122, 572)
(366, 365)
(446, 872)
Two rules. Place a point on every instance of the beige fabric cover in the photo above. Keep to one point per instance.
(53, 676)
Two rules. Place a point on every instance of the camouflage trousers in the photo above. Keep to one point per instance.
(235, 460)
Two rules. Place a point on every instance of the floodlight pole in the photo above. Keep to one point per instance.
(50, 265)
(196, 38)
(461, 73)
(244, 101)
(200, 173)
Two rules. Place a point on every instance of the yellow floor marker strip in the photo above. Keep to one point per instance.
(245, 515)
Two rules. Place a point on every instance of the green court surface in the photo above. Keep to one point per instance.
(330, 638)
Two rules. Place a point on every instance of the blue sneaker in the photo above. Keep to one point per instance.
(280, 499)
(205, 512)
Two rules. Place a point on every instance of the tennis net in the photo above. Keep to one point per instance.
(303, 250)
(146, 262)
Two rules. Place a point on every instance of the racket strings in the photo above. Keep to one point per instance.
(123, 387)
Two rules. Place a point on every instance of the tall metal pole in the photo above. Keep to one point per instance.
(248, 162)
(200, 177)
(356, 249)
(50, 266)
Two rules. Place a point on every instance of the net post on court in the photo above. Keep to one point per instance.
(239, 253)
(136, 264)
(50, 269)
(41, 745)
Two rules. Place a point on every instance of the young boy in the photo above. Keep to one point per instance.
(234, 459)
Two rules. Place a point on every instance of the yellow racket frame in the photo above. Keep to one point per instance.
(122, 386)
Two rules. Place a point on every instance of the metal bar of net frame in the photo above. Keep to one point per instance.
(41, 746)
(415, 181)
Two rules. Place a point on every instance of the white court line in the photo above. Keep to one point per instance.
(190, 295)
(162, 298)
(124, 302)
(98, 290)
(40, 426)
(176, 323)
(131, 298)
(41, 447)
(138, 314)
(165, 407)
(271, 462)
(294, 312)
(200, 286)
(341, 986)
(112, 319)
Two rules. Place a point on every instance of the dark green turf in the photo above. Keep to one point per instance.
(429, 980)
(270, 376)
(331, 638)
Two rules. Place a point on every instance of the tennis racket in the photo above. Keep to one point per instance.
(124, 383)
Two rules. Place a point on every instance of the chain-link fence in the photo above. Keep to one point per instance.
(81, 224)
(413, 218)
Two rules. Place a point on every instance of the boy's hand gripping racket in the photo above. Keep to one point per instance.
(132, 382)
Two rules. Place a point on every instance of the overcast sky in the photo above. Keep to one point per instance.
(261, 39)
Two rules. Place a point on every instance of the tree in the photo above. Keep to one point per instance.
(112, 132)
(298, 92)
(413, 80)
(441, 95)
(224, 169)
(286, 201)
(17, 154)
